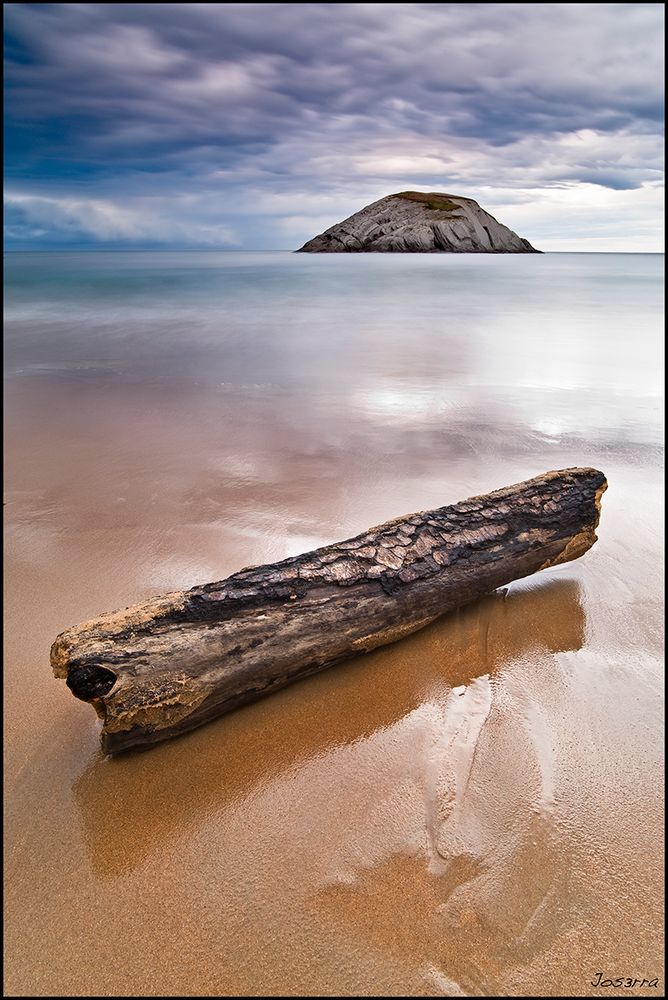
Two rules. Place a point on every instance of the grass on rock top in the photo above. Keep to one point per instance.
(439, 202)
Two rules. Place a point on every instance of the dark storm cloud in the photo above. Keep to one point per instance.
(186, 121)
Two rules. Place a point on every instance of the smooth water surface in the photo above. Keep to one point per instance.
(475, 810)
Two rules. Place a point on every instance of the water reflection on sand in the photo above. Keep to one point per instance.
(475, 810)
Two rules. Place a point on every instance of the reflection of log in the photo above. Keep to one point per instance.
(274, 737)
(166, 666)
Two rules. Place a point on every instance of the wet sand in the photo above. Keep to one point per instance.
(476, 810)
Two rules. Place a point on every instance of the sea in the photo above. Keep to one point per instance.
(473, 811)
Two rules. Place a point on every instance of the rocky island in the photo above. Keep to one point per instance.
(417, 222)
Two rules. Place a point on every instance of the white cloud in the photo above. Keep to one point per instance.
(106, 221)
(192, 122)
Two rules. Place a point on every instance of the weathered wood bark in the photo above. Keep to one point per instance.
(166, 666)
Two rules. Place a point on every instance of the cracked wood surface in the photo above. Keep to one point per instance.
(172, 663)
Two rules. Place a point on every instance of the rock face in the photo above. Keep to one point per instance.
(414, 222)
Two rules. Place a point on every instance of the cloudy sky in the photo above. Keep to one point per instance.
(256, 126)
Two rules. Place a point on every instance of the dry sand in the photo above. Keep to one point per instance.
(475, 810)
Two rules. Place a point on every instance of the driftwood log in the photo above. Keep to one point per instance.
(166, 666)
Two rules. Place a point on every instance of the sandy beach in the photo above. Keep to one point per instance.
(476, 810)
